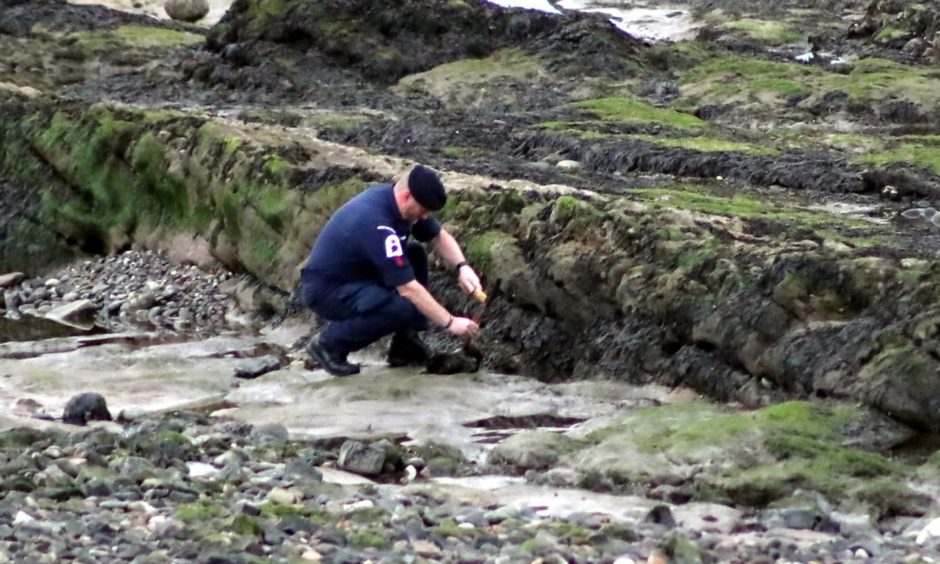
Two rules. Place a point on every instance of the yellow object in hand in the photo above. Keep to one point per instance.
(480, 295)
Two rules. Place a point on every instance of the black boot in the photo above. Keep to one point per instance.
(407, 348)
(333, 362)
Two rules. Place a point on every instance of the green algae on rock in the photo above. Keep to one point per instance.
(749, 458)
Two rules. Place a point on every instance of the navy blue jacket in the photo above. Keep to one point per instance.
(365, 241)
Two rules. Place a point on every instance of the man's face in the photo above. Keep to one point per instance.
(413, 211)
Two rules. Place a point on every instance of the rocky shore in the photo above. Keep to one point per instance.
(187, 487)
(748, 217)
(195, 486)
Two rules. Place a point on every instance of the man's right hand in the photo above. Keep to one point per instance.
(463, 326)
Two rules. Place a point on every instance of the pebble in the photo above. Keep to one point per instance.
(358, 505)
(285, 496)
(128, 290)
(931, 531)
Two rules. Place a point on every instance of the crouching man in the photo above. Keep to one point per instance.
(368, 279)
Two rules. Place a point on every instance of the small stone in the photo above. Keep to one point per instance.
(568, 164)
(230, 457)
(11, 279)
(12, 302)
(285, 496)
(141, 507)
(862, 554)
(39, 295)
(358, 505)
(500, 514)
(248, 509)
(359, 458)
(201, 470)
(932, 530)
(836, 246)
(254, 367)
(78, 313)
(661, 515)
(22, 517)
(162, 526)
(97, 487)
(52, 476)
(426, 549)
(913, 263)
(417, 462)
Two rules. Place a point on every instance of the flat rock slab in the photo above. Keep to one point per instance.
(135, 372)
(142, 372)
(15, 333)
(383, 401)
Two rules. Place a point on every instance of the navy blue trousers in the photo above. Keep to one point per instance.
(361, 313)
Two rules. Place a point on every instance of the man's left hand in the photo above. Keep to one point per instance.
(468, 279)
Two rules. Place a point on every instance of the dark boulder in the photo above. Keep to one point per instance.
(86, 407)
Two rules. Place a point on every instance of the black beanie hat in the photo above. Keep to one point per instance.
(426, 188)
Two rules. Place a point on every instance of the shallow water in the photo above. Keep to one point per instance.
(648, 22)
(644, 21)
(871, 213)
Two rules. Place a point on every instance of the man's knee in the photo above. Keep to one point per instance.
(307, 295)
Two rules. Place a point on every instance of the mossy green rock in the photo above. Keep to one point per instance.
(532, 450)
(751, 458)
(23, 437)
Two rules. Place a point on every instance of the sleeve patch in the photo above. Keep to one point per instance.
(393, 247)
